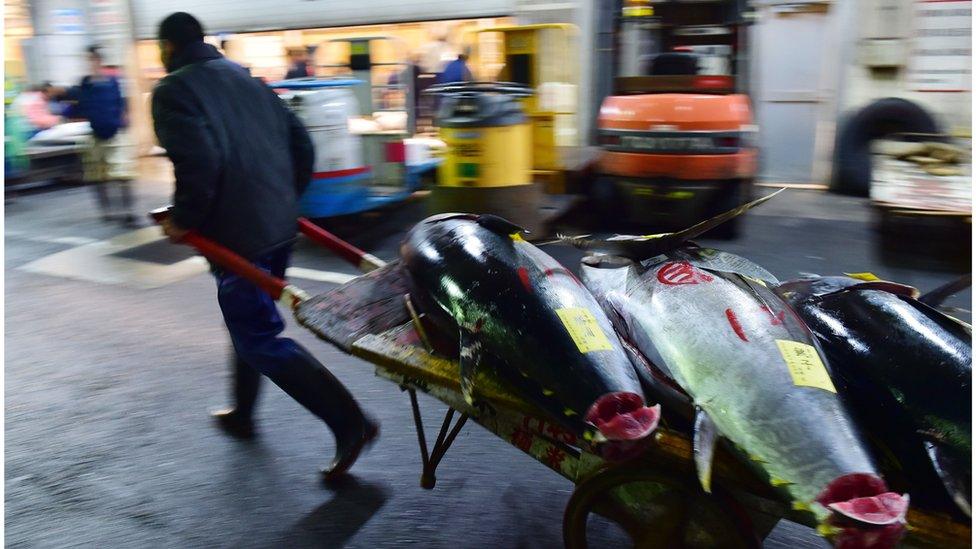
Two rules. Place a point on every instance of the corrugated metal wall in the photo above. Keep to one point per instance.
(254, 15)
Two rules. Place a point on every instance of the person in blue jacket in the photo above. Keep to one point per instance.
(108, 160)
(457, 70)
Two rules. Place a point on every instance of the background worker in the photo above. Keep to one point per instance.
(108, 159)
(241, 161)
(34, 106)
(457, 70)
(297, 64)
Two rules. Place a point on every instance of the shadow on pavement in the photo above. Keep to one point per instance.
(336, 521)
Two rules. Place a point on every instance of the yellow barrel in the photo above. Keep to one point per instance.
(488, 138)
(498, 156)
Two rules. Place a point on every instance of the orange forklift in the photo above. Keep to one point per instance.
(677, 136)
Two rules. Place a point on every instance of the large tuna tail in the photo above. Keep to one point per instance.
(676, 239)
(645, 246)
(935, 297)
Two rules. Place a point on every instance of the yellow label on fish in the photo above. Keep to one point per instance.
(584, 329)
(805, 366)
(867, 277)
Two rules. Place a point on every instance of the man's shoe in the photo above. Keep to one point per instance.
(347, 456)
(232, 423)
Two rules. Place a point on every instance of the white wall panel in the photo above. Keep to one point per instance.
(255, 15)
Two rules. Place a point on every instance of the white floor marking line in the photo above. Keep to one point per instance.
(95, 262)
(319, 276)
(68, 240)
(71, 240)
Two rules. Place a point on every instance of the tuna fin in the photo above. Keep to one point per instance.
(582, 241)
(642, 247)
(935, 297)
(956, 481)
(657, 244)
(885, 286)
(469, 357)
(499, 225)
(445, 216)
(705, 436)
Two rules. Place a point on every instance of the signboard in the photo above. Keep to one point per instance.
(941, 57)
(905, 185)
(68, 21)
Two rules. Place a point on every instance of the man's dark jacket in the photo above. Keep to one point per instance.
(241, 158)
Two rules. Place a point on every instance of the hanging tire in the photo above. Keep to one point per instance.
(852, 147)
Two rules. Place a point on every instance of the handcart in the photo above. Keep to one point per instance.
(656, 498)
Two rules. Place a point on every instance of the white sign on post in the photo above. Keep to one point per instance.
(941, 58)
(68, 21)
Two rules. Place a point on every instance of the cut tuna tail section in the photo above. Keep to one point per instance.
(624, 424)
(880, 510)
(865, 514)
(864, 498)
(623, 416)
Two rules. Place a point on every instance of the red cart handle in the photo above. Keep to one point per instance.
(277, 288)
(365, 262)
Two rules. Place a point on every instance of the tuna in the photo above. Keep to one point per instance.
(906, 370)
(641, 247)
(514, 306)
(755, 376)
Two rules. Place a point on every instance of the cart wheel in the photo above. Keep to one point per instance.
(657, 509)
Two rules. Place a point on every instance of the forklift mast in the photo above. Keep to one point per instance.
(712, 35)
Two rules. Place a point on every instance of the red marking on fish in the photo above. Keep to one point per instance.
(561, 270)
(734, 322)
(774, 319)
(681, 272)
(523, 274)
